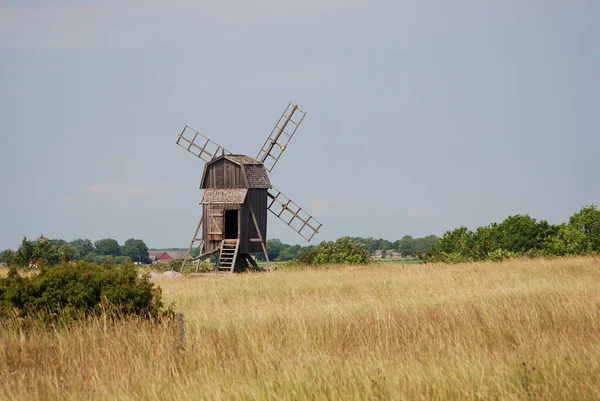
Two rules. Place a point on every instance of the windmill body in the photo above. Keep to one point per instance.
(238, 195)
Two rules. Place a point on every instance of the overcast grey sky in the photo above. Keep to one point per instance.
(422, 115)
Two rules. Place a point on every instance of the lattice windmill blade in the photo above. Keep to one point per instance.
(281, 135)
(199, 145)
(292, 214)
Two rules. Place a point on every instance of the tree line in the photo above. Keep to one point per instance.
(52, 251)
(407, 246)
(520, 235)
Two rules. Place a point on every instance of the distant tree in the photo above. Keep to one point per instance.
(82, 247)
(587, 221)
(59, 243)
(568, 241)
(101, 259)
(520, 234)
(7, 256)
(423, 244)
(405, 245)
(108, 246)
(136, 250)
(342, 251)
(67, 253)
(290, 253)
(39, 251)
(484, 240)
(24, 254)
(456, 241)
(274, 247)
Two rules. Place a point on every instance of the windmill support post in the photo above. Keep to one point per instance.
(262, 242)
(195, 239)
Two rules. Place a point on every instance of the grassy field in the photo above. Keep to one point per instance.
(526, 329)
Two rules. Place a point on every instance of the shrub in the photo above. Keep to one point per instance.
(70, 291)
(342, 251)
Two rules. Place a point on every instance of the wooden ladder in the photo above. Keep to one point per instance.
(228, 255)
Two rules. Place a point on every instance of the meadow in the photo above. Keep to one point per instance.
(521, 329)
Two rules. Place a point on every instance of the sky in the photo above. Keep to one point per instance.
(422, 116)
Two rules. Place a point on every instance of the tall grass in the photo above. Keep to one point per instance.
(525, 329)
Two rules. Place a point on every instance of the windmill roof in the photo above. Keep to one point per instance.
(257, 176)
(242, 159)
(254, 171)
(224, 195)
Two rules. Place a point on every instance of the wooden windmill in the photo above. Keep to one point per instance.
(237, 195)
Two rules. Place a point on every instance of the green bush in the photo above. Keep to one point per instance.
(70, 291)
(343, 251)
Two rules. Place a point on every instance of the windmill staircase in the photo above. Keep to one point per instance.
(227, 256)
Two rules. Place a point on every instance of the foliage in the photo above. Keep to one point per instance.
(31, 254)
(108, 246)
(343, 250)
(279, 251)
(568, 241)
(34, 253)
(520, 235)
(274, 247)
(587, 221)
(408, 246)
(70, 291)
(7, 256)
(82, 247)
(136, 250)
(290, 253)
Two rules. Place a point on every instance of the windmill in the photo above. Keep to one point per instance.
(237, 195)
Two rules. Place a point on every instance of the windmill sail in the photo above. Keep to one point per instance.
(199, 145)
(292, 214)
(280, 136)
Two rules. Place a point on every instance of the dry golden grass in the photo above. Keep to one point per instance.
(526, 329)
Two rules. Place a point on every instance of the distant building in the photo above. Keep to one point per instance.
(378, 254)
(166, 256)
(387, 254)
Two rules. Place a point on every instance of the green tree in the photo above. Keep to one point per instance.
(42, 249)
(290, 253)
(342, 251)
(108, 246)
(274, 247)
(24, 254)
(47, 250)
(59, 243)
(421, 245)
(587, 221)
(7, 256)
(405, 245)
(82, 247)
(136, 250)
(568, 241)
(67, 253)
(484, 239)
(522, 234)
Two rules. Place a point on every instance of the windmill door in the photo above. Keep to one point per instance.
(231, 224)
(215, 224)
